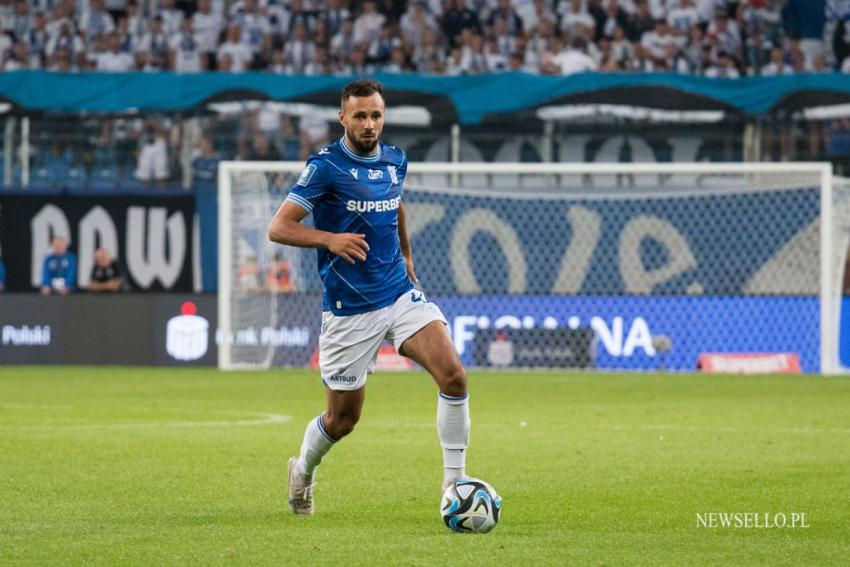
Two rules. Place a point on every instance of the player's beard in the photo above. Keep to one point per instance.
(364, 147)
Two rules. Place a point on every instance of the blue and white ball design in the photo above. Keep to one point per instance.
(470, 505)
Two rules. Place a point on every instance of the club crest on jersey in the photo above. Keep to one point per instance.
(307, 174)
(353, 171)
(393, 175)
(375, 174)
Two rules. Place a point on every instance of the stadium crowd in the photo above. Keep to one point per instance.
(715, 38)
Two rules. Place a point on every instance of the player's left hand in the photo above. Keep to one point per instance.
(408, 264)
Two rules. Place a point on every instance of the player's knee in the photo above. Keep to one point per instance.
(341, 424)
(454, 382)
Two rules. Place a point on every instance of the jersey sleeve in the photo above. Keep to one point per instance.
(311, 186)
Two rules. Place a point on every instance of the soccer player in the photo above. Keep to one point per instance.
(354, 188)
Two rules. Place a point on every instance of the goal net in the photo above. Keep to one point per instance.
(608, 266)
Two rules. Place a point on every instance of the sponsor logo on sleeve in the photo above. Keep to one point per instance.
(307, 174)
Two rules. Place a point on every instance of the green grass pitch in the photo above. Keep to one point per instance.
(121, 466)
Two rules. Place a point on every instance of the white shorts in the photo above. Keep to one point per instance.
(348, 345)
(153, 162)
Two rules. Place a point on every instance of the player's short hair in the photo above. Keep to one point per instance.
(361, 87)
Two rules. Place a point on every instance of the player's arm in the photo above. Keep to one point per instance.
(404, 241)
(286, 228)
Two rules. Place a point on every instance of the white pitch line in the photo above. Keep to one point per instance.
(263, 419)
(727, 429)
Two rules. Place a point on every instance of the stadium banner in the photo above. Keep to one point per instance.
(488, 96)
(153, 236)
(533, 348)
(180, 329)
(482, 243)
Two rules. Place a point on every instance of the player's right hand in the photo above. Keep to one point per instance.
(349, 246)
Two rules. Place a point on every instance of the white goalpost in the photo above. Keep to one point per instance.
(713, 257)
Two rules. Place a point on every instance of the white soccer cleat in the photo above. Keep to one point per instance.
(300, 491)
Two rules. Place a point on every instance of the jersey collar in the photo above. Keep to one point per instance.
(352, 154)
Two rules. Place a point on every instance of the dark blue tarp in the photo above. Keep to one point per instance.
(467, 99)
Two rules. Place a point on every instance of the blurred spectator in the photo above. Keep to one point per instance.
(504, 11)
(804, 21)
(62, 62)
(249, 276)
(381, 47)
(96, 21)
(574, 59)
(186, 55)
(457, 18)
(368, 23)
(114, 60)
(261, 149)
(279, 276)
(237, 54)
(683, 16)
(153, 156)
(723, 33)
(314, 132)
(280, 65)
(837, 29)
(207, 26)
(171, 16)
(299, 49)
(59, 270)
(137, 24)
(288, 140)
(64, 39)
(37, 36)
(415, 21)
(20, 58)
(321, 63)
(777, 64)
(639, 22)
(107, 274)
(473, 59)
(575, 14)
(838, 144)
(256, 31)
(757, 50)
(723, 67)
(660, 45)
(2, 275)
(342, 43)
(542, 13)
(334, 15)
(205, 164)
(155, 43)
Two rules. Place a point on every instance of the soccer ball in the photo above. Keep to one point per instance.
(470, 505)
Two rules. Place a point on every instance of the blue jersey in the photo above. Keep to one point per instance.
(347, 192)
(59, 270)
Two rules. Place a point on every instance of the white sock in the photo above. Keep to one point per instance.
(453, 429)
(316, 445)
